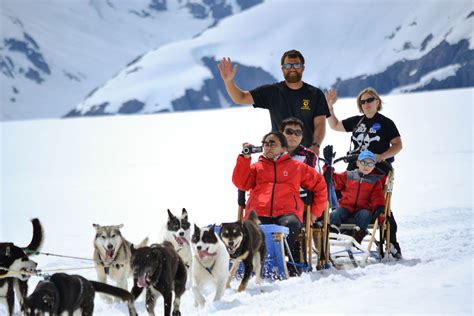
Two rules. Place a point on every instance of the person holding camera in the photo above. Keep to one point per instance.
(289, 98)
(274, 182)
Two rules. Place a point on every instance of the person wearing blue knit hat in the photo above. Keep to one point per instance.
(367, 154)
(362, 196)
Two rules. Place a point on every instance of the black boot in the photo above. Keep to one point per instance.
(334, 229)
(395, 250)
(358, 234)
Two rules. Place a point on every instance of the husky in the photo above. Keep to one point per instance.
(160, 270)
(112, 256)
(16, 267)
(245, 242)
(178, 232)
(210, 263)
(64, 293)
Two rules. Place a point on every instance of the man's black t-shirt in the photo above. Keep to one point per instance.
(373, 134)
(305, 103)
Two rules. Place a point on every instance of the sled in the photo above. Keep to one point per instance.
(347, 252)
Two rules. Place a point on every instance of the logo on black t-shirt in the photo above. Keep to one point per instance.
(305, 105)
(362, 139)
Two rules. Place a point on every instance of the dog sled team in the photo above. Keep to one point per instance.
(320, 209)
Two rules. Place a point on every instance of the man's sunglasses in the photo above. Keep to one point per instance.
(290, 131)
(288, 66)
(369, 100)
(270, 143)
(367, 163)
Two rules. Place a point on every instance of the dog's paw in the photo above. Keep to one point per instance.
(199, 301)
(241, 287)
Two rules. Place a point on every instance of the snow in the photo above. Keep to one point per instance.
(111, 170)
(92, 40)
(438, 74)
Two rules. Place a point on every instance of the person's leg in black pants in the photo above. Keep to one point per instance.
(294, 225)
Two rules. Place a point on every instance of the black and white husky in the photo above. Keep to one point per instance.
(245, 242)
(178, 232)
(112, 256)
(210, 263)
(16, 266)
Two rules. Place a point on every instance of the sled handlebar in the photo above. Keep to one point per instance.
(353, 157)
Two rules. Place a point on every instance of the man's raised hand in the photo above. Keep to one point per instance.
(226, 69)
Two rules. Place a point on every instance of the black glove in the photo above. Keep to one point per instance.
(379, 210)
(328, 154)
(318, 223)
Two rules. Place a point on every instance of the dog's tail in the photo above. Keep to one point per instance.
(254, 217)
(37, 239)
(124, 295)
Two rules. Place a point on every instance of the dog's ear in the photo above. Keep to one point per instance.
(184, 213)
(132, 249)
(170, 215)
(196, 228)
(96, 226)
(7, 251)
(213, 228)
(119, 226)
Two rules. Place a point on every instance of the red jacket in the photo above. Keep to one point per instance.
(359, 191)
(274, 186)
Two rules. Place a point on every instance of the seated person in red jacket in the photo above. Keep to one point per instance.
(274, 183)
(362, 195)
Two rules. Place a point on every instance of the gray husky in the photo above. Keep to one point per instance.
(112, 256)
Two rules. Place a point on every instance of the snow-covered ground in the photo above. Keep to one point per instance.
(112, 170)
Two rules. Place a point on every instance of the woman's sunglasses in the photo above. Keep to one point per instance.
(369, 100)
(289, 131)
(270, 143)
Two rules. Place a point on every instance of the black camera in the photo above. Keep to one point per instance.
(247, 150)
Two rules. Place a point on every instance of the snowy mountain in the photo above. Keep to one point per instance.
(394, 46)
(130, 169)
(54, 52)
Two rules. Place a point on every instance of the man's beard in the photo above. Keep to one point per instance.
(293, 77)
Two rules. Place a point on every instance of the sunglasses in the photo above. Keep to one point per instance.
(270, 143)
(290, 131)
(369, 100)
(367, 163)
(288, 66)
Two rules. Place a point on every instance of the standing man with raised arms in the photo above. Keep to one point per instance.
(289, 98)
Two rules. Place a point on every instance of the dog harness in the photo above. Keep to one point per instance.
(107, 266)
(208, 269)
